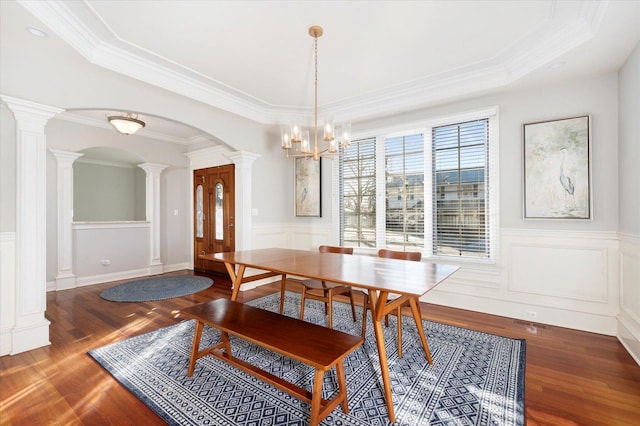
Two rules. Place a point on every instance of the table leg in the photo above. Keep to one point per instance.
(194, 349)
(237, 280)
(283, 286)
(417, 317)
(377, 304)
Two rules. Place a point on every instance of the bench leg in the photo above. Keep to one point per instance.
(342, 386)
(316, 399)
(194, 349)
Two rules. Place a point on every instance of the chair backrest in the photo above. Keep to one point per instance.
(333, 249)
(402, 255)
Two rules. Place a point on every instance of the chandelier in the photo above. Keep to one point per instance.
(126, 123)
(296, 141)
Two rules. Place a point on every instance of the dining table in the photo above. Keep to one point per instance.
(379, 277)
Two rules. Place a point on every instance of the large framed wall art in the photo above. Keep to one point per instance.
(308, 174)
(557, 169)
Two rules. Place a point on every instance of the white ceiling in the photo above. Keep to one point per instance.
(255, 58)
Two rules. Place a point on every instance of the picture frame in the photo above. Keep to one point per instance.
(308, 187)
(557, 169)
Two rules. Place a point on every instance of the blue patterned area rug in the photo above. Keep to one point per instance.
(475, 379)
(156, 288)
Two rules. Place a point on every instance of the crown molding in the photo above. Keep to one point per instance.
(563, 30)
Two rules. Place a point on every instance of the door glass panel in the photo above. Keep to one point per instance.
(219, 211)
(199, 212)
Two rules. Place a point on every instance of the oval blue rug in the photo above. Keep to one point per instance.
(156, 288)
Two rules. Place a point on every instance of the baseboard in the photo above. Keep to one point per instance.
(117, 276)
(559, 317)
(629, 335)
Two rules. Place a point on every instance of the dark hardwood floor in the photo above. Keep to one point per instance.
(572, 377)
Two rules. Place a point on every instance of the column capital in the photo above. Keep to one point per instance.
(30, 114)
(242, 157)
(65, 157)
(152, 167)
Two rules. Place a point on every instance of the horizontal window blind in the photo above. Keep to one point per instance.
(460, 185)
(357, 174)
(404, 192)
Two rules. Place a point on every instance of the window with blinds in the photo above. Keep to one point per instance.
(432, 185)
(460, 189)
(357, 174)
(404, 192)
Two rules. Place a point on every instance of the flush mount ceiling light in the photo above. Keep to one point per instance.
(295, 141)
(127, 123)
(37, 32)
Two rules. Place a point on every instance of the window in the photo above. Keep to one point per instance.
(435, 183)
(459, 155)
(358, 194)
(404, 189)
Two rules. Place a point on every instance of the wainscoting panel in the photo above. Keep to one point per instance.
(564, 278)
(559, 271)
(269, 236)
(629, 318)
(7, 290)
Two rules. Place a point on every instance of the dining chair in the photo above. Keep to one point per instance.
(324, 291)
(390, 254)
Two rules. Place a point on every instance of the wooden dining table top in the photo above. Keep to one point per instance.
(363, 271)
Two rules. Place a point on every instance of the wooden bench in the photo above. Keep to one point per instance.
(319, 347)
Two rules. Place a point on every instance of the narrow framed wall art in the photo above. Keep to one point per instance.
(308, 178)
(557, 169)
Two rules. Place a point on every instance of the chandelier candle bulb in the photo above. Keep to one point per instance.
(295, 133)
(345, 134)
(305, 146)
(286, 139)
(328, 130)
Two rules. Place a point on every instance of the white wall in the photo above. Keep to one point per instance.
(629, 211)
(119, 245)
(7, 170)
(559, 272)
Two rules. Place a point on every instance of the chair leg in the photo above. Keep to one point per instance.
(330, 313)
(353, 306)
(302, 302)
(399, 315)
(365, 306)
(326, 294)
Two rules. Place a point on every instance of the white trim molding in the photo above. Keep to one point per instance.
(65, 278)
(629, 317)
(31, 328)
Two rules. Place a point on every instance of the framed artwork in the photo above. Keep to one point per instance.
(557, 169)
(308, 173)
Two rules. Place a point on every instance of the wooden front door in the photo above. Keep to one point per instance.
(214, 207)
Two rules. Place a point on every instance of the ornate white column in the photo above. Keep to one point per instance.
(31, 328)
(243, 161)
(65, 278)
(153, 213)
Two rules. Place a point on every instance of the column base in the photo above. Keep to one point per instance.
(156, 268)
(65, 281)
(32, 337)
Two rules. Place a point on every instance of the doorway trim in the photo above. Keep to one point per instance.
(243, 160)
